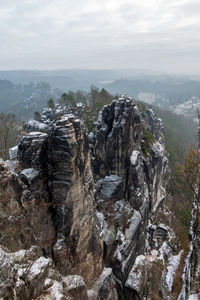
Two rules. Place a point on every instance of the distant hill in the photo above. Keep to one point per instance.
(176, 89)
(23, 91)
(165, 92)
(23, 100)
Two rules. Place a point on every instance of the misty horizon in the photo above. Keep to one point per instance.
(158, 36)
(132, 71)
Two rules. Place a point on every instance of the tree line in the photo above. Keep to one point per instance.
(91, 103)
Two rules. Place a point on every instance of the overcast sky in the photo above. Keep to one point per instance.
(162, 35)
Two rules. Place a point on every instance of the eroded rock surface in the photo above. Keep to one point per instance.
(85, 225)
(129, 151)
(49, 202)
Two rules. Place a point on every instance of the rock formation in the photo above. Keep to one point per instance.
(129, 167)
(75, 211)
(53, 196)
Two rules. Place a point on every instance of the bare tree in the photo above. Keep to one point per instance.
(192, 167)
(94, 92)
(9, 131)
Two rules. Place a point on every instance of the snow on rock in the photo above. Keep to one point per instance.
(134, 222)
(135, 277)
(72, 282)
(29, 175)
(161, 195)
(54, 292)
(37, 134)
(158, 149)
(38, 267)
(121, 237)
(118, 255)
(154, 254)
(62, 121)
(134, 157)
(22, 256)
(172, 266)
(7, 271)
(186, 274)
(194, 297)
(13, 152)
(165, 250)
(121, 208)
(19, 268)
(107, 234)
(12, 165)
(34, 125)
(162, 226)
(57, 287)
(91, 136)
(100, 218)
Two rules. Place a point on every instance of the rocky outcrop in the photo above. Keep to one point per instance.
(63, 161)
(71, 185)
(49, 203)
(129, 166)
(27, 273)
(86, 224)
(131, 145)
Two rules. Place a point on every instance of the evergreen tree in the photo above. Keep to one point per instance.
(50, 103)
(37, 116)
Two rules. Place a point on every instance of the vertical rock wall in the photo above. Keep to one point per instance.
(83, 233)
(62, 159)
(129, 167)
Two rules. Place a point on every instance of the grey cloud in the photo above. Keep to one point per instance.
(106, 34)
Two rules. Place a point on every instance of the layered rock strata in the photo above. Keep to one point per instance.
(49, 203)
(84, 237)
(129, 167)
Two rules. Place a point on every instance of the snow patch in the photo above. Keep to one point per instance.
(134, 222)
(134, 157)
(37, 134)
(38, 267)
(13, 152)
(55, 290)
(37, 126)
(194, 297)
(171, 269)
(72, 282)
(30, 174)
(135, 275)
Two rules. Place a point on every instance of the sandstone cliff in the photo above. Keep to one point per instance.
(129, 167)
(76, 211)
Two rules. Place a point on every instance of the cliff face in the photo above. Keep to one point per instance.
(62, 159)
(129, 166)
(71, 230)
(53, 201)
(131, 146)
